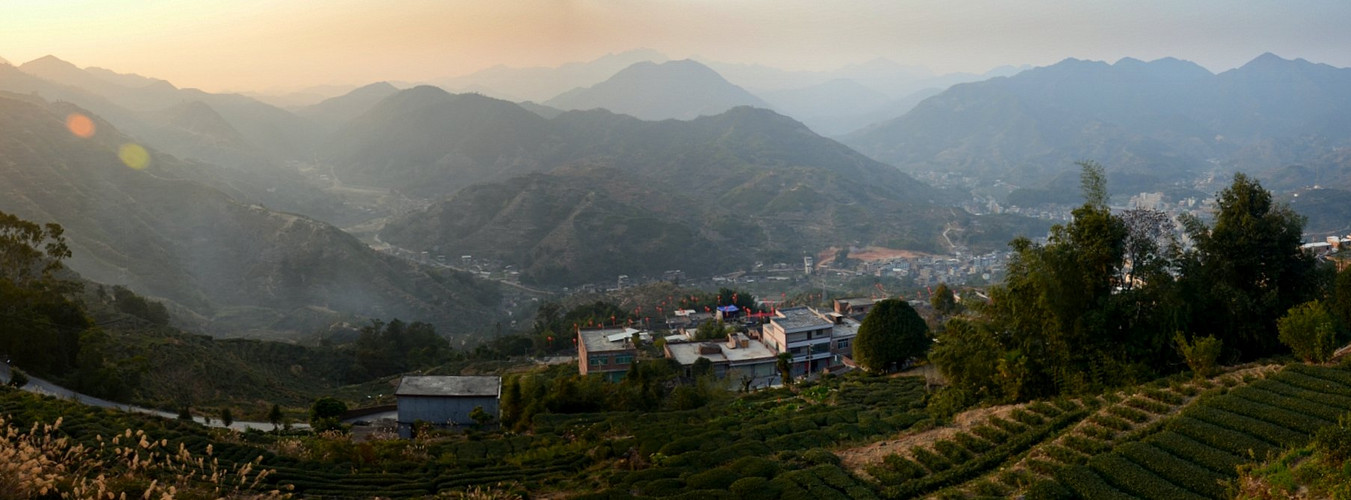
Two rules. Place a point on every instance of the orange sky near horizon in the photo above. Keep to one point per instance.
(273, 45)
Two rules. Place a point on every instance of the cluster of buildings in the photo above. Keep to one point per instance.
(930, 270)
(816, 341)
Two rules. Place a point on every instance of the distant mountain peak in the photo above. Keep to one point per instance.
(682, 89)
(1270, 61)
(687, 65)
(48, 61)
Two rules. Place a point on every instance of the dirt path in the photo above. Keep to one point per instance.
(855, 459)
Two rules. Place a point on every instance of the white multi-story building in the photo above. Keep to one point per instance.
(803, 333)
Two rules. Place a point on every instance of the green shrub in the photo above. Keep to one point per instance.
(1334, 441)
(1300, 420)
(1064, 455)
(1086, 484)
(1336, 401)
(818, 456)
(755, 488)
(1008, 426)
(1219, 461)
(1027, 418)
(1045, 409)
(1149, 405)
(1129, 477)
(1310, 331)
(973, 443)
(1099, 433)
(1085, 445)
(662, 487)
(1194, 477)
(1128, 413)
(713, 479)
(989, 433)
(930, 460)
(1048, 490)
(904, 467)
(755, 466)
(1272, 433)
(1222, 438)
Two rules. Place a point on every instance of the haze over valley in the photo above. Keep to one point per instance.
(733, 249)
(660, 165)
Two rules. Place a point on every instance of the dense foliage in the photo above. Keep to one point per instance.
(891, 334)
(1100, 304)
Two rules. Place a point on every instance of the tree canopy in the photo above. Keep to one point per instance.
(1111, 299)
(891, 333)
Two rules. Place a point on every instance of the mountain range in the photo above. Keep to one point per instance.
(829, 102)
(539, 84)
(564, 197)
(1164, 122)
(715, 178)
(229, 267)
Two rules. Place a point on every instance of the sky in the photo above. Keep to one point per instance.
(258, 45)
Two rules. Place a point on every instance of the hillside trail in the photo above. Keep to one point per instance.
(858, 458)
(44, 387)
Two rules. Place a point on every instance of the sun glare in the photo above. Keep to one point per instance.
(80, 125)
(134, 156)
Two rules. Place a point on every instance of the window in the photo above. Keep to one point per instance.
(821, 348)
(598, 360)
(842, 344)
(623, 359)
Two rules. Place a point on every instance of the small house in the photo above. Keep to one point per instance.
(445, 402)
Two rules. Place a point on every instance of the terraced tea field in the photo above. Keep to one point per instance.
(1184, 440)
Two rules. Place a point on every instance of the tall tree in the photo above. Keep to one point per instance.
(1054, 314)
(967, 354)
(943, 300)
(39, 327)
(1246, 270)
(891, 333)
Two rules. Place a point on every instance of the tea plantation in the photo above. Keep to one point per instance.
(770, 443)
(1164, 441)
(1172, 439)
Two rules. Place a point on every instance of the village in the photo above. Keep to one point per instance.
(748, 350)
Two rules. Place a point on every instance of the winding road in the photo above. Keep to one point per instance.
(40, 386)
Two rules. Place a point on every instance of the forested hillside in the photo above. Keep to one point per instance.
(233, 267)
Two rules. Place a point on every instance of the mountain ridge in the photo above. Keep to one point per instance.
(238, 267)
(1167, 118)
(681, 90)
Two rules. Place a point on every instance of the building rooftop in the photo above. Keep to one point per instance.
(847, 327)
(719, 352)
(800, 318)
(858, 301)
(449, 386)
(597, 341)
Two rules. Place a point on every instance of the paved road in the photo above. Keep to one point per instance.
(40, 386)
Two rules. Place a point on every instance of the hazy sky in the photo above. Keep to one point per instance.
(256, 44)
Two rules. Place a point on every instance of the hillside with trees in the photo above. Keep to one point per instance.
(1111, 299)
(227, 266)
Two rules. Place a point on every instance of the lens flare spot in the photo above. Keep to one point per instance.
(80, 125)
(134, 156)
